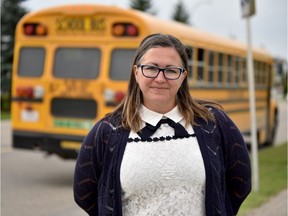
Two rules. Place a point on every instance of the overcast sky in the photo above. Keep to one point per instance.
(222, 17)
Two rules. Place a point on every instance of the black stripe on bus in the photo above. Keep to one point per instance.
(244, 110)
(240, 100)
(36, 100)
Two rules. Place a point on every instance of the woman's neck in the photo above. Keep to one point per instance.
(160, 107)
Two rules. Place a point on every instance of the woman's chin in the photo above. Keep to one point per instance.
(159, 100)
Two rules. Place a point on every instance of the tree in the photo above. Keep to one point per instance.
(142, 5)
(12, 11)
(180, 14)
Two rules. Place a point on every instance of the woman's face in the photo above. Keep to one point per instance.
(159, 93)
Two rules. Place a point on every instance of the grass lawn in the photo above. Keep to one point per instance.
(272, 177)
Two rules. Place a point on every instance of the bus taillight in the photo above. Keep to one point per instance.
(30, 92)
(24, 92)
(132, 30)
(118, 30)
(35, 29)
(124, 29)
(113, 98)
(41, 30)
(20, 91)
(119, 95)
(28, 29)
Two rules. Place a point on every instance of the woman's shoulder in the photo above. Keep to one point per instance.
(222, 119)
(102, 129)
(108, 123)
(218, 113)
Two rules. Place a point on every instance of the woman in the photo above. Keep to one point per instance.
(161, 152)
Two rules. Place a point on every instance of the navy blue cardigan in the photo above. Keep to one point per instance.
(97, 187)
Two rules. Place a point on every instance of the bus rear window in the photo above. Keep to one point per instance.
(77, 63)
(31, 61)
(120, 66)
(73, 108)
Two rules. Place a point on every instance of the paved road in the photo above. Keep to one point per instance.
(32, 185)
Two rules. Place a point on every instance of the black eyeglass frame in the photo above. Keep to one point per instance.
(182, 70)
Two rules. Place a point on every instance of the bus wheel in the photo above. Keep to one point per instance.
(273, 130)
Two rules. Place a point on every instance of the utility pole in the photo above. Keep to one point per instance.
(248, 9)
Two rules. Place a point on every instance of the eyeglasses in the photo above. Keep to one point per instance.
(170, 73)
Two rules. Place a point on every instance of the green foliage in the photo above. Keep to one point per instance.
(142, 5)
(180, 14)
(272, 177)
(5, 115)
(12, 11)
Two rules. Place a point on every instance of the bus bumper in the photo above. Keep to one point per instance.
(65, 146)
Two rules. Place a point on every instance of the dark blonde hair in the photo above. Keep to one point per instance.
(188, 106)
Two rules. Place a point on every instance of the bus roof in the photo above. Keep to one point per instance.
(154, 24)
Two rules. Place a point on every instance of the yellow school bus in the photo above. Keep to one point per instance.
(72, 63)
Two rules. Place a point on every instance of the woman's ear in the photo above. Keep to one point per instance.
(184, 75)
(135, 71)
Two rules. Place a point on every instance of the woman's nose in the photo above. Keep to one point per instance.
(160, 77)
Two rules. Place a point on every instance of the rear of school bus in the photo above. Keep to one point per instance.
(71, 66)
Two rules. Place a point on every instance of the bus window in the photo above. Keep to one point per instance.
(120, 66)
(211, 67)
(229, 70)
(189, 51)
(256, 72)
(268, 74)
(73, 108)
(260, 73)
(244, 71)
(31, 61)
(77, 63)
(220, 69)
(263, 73)
(236, 74)
(201, 64)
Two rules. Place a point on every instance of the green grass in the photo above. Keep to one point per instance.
(5, 115)
(272, 177)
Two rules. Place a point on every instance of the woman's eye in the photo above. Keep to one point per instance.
(170, 70)
(151, 68)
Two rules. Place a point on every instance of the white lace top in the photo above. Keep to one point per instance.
(163, 177)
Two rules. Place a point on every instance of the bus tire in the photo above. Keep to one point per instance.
(273, 131)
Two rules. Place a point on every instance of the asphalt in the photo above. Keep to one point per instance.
(276, 206)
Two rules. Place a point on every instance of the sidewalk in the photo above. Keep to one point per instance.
(276, 206)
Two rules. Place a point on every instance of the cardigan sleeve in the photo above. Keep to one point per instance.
(238, 168)
(88, 170)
